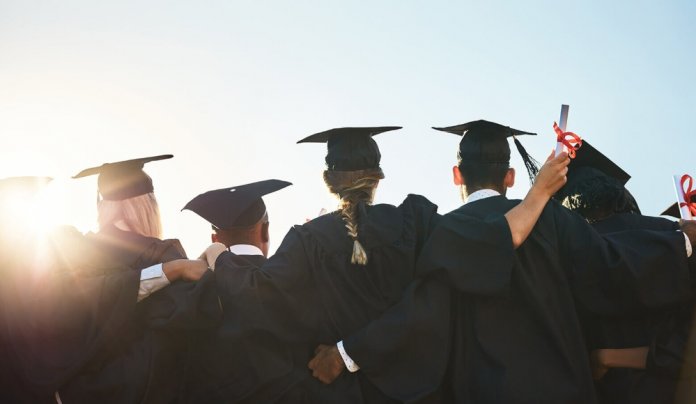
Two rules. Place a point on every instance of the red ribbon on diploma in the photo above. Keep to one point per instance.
(569, 140)
(688, 194)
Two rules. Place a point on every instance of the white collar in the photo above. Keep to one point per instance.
(245, 249)
(481, 194)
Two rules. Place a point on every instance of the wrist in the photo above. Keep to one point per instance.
(539, 194)
(172, 270)
(605, 357)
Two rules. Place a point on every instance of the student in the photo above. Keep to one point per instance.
(596, 190)
(228, 366)
(528, 345)
(96, 330)
(333, 275)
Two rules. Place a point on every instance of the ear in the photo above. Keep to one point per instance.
(457, 176)
(265, 235)
(510, 178)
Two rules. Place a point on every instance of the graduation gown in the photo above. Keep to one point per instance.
(243, 367)
(14, 388)
(528, 346)
(84, 335)
(309, 293)
(657, 383)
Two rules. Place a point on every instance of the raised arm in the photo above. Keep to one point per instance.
(524, 216)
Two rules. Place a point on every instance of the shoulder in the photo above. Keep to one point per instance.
(171, 247)
(415, 201)
(630, 221)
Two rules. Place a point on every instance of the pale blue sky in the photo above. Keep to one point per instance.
(229, 86)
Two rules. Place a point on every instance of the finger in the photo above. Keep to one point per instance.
(312, 363)
(551, 155)
(562, 157)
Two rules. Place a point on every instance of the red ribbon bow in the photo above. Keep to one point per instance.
(688, 194)
(569, 139)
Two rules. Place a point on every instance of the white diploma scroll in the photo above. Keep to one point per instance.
(684, 211)
(562, 122)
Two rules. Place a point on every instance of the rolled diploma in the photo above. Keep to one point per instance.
(562, 123)
(683, 210)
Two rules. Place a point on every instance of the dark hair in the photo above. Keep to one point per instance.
(598, 197)
(483, 175)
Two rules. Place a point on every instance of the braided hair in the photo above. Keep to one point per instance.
(355, 190)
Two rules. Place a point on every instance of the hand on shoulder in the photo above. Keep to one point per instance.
(211, 254)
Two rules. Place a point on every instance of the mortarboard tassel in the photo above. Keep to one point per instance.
(530, 163)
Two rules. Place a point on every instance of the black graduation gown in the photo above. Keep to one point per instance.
(672, 354)
(247, 367)
(309, 293)
(14, 388)
(86, 337)
(528, 346)
(657, 383)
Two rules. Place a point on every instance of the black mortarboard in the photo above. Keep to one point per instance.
(485, 142)
(587, 160)
(673, 210)
(350, 149)
(596, 185)
(123, 179)
(239, 206)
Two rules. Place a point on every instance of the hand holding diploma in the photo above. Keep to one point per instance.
(566, 141)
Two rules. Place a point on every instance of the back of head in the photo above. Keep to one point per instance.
(355, 189)
(483, 157)
(352, 173)
(596, 196)
(596, 186)
(255, 234)
(483, 160)
(140, 213)
(238, 214)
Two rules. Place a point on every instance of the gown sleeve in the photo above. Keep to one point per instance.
(66, 319)
(473, 255)
(181, 305)
(623, 272)
(405, 352)
(279, 297)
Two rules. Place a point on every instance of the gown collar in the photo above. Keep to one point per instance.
(481, 194)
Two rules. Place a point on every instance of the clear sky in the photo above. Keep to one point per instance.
(228, 87)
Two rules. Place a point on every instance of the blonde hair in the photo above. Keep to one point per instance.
(141, 214)
(353, 188)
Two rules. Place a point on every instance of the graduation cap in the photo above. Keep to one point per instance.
(485, 142)
(123, 179)
(589, 162)
(239, 206)
(596, 185)
(350, 149)
(673, 209)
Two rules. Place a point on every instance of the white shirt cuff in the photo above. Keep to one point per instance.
(689, 249)
(350, 365)
(152, 279)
